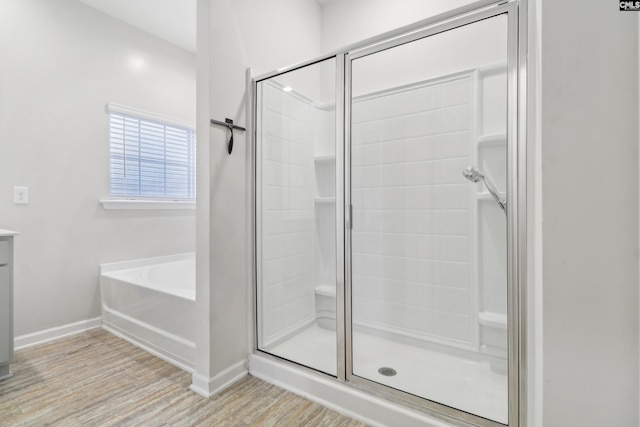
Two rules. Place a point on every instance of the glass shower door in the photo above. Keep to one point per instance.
(428, 182)
(296, 216)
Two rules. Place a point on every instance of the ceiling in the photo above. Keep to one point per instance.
(171, 20)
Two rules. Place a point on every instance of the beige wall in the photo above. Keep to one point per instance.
(62, 62)
(241, 34)
(589, 137)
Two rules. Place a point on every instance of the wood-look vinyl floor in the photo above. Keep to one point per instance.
(98, 379)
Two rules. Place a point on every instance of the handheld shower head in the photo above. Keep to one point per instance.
(472, 174)
(475, 175)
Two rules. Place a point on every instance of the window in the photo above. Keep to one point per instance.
(150, 156)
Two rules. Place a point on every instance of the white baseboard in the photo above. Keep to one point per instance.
(35, 338)
(208, 387)
(341, 398)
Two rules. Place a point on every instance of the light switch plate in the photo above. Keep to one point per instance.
(20, 195)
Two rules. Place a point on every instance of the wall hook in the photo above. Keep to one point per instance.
(228, 123)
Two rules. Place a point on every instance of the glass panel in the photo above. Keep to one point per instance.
(429, 277)
(296, 212)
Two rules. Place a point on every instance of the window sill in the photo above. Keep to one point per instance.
(140, 204)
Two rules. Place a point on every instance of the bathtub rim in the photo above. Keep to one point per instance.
(144, 262)
(117, 273)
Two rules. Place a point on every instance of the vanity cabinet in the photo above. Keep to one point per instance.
(6, 302)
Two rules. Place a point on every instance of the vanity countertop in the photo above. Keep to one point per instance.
(8, 233)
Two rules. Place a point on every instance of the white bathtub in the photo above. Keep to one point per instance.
(151, 303)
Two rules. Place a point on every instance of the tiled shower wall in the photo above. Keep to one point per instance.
(412, 210)
(288, 213)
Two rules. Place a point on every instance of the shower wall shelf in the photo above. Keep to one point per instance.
(325, 178)
(491, 140)
(328, 158)
(494, 320)
(326, 290)
(485, 196)
(325, 200)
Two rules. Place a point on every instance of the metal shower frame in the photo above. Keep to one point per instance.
(515, 11)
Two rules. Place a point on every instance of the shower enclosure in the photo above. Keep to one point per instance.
(386, 215)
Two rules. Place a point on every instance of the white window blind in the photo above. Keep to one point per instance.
(149, 157)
